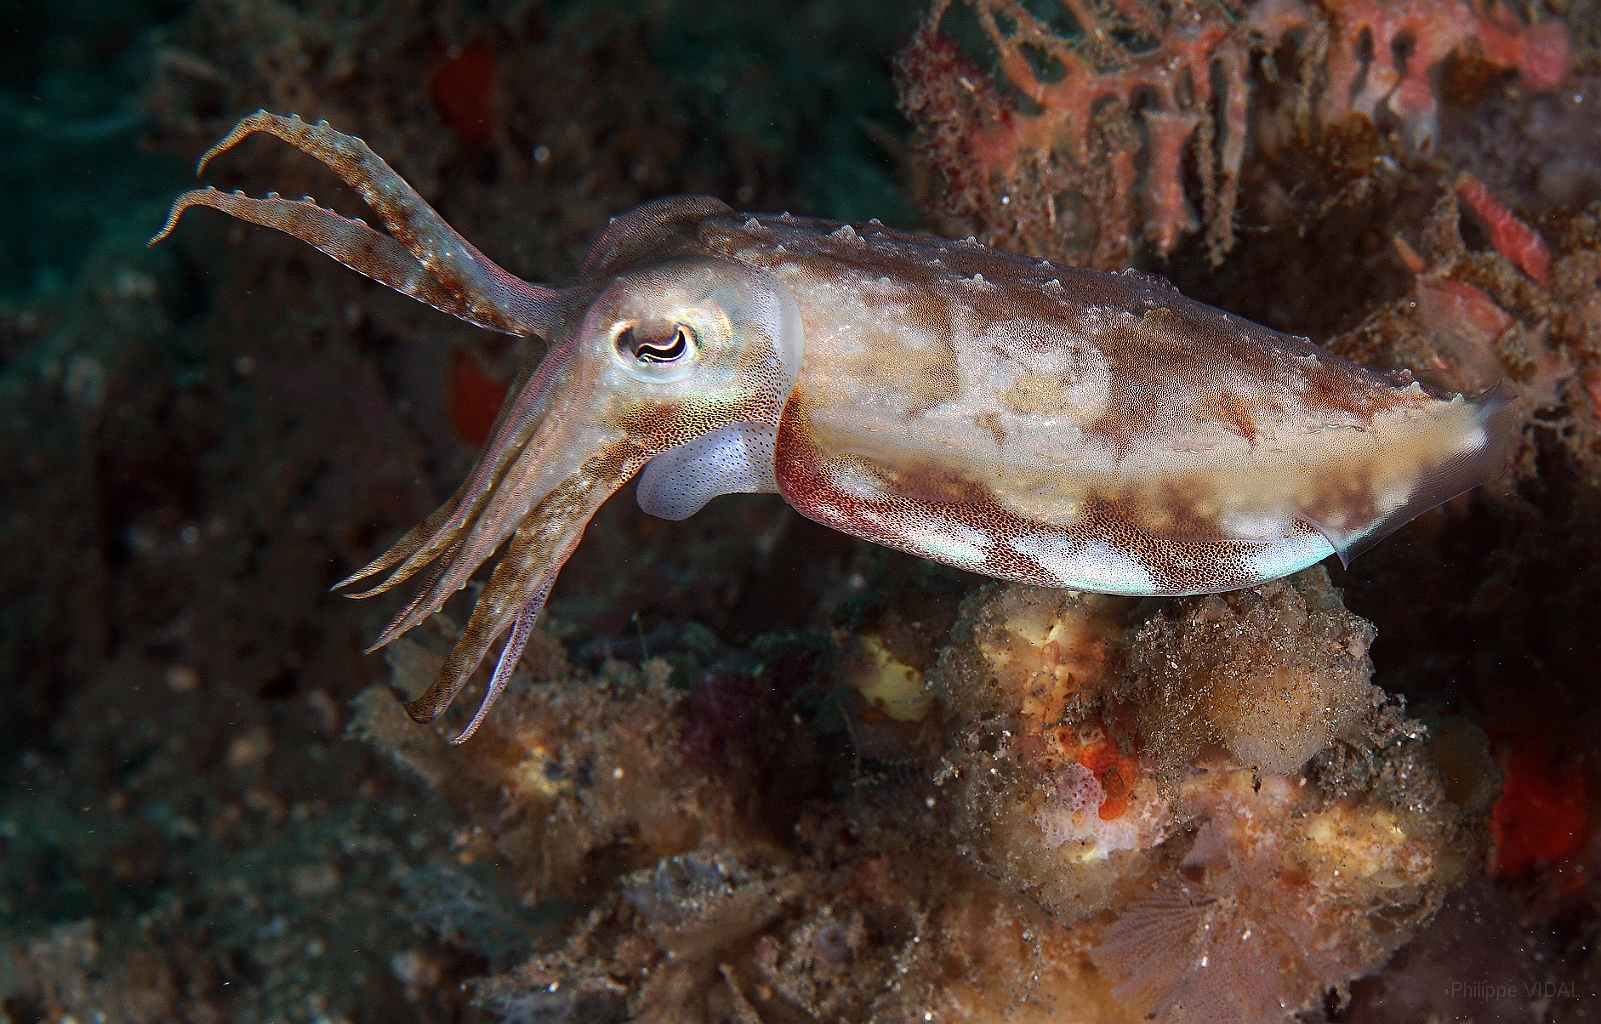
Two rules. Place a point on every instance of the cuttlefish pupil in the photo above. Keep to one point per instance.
(1009, 416)
(644, 349)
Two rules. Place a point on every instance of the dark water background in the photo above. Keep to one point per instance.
(198, 440)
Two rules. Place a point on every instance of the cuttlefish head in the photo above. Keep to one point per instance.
(650, 362)
(687, 359)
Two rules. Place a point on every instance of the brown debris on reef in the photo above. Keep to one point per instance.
(1272, 674)
(565, 811)
(1049, 856)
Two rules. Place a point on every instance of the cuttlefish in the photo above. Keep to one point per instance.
(1002, 414)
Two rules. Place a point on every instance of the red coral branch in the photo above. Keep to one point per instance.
(1510, 236)
(1392, 49)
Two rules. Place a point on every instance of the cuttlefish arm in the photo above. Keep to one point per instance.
(422, 256)
(639, 363)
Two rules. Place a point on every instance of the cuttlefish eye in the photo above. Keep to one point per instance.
(644, 345)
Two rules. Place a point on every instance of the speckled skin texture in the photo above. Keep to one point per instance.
(1013, 417)
(1063, 427)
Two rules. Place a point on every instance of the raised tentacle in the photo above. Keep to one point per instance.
(351, 242)
(416, 225)
(489, 295)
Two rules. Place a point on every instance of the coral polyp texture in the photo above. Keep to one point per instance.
(1100, 130)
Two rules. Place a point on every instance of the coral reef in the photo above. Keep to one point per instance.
(1041, 857)
(1539, 153)
(1196, 776)
(1083, 142)
(1514, 310)
(1030, 689)
(621, 794)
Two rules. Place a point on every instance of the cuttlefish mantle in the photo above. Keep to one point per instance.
(1009, 416)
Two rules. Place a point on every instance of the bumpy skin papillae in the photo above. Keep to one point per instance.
(1008, 416)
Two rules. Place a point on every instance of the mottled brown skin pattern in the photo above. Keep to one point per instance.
(1185, 354)
(1179, 354)
(1175, 566)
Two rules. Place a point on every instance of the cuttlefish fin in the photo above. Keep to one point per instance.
(1343, 541)
(1481, 460)
(422, 256)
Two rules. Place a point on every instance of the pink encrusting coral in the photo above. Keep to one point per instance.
(1382, 55)
(1274, 902)
(1091, 100)
(1516, 311)
(1511, 236)
(1085, 140)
